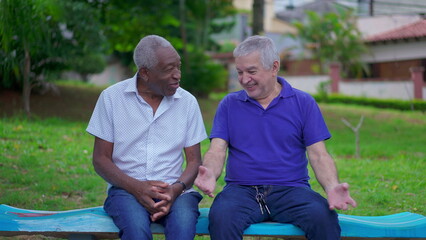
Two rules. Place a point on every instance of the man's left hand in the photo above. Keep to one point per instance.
(164, 206)
(339, 197)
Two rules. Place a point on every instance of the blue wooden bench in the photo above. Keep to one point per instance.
(93, 223)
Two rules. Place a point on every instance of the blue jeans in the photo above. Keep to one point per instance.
(133, 220)
(235, 208)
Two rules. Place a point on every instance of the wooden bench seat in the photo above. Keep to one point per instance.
(93, 223)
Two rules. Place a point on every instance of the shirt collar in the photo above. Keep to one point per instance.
(131, 87)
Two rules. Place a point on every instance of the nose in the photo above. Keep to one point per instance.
(243, 78)
(177, 73)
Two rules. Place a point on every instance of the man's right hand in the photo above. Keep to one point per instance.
(205, 181)
(146, 191)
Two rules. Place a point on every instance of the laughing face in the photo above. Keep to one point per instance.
(258, 82)
(164, 78)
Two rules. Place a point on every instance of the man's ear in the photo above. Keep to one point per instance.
(276, 67)
(143, 73)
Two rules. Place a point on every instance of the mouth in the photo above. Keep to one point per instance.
(250, 87)
(174, 85)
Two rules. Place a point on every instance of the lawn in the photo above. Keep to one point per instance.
(45, 162)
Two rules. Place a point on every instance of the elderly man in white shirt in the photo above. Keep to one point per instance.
(141, 125)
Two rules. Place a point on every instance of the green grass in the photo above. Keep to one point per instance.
(45, 162)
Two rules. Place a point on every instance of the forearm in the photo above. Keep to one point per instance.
(325, 172)
(323, 165)
(214, 161)
(113, 175)
(105, 167)
(193, 162)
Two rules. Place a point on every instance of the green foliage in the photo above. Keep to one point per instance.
(201, 21)
(323, 90)
(204, 75)
(56, 35)
(89, 64)
(84, 51)
(333, 37)
(125, 22)
(76, 34)
(415, 104)
(24, 36)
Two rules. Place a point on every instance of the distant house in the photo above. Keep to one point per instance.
(396, 42)
(296, 59)
(393, 52)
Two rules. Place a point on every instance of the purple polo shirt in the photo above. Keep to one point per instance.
(268, 146)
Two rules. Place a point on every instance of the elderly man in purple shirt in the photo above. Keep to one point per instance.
(267, 129)
(141, 127)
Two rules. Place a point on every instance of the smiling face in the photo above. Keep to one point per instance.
(163, 79)
(258, 82)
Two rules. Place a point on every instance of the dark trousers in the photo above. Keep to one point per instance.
(133, 220)
(235, 208)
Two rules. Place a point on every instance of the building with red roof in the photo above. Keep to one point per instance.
(394, 52)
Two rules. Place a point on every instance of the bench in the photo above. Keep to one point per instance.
(94, 223)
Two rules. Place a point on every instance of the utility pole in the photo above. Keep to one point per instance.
(371, 7)
(258, 10)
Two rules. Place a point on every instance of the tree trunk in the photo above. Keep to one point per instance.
(258, 9)
(183, 35)
(26, 88)
(206, 25)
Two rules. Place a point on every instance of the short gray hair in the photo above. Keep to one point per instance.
(265, 46)
(144, 54)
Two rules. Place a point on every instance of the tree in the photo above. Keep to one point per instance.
(82, 45)
(41, 38)
(333, 37)
(186, 24)
(24, 34)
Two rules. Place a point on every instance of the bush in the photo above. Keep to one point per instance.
(204, 75)
(418, 105)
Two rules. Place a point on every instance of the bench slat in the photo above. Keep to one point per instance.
(75, 224)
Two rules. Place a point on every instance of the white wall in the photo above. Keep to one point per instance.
(402, 90)
(113, 73)
(396, 52)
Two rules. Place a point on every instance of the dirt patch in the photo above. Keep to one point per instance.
(72, 103)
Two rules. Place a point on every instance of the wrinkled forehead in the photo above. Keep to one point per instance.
(249, 61)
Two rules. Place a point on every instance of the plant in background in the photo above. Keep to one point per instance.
(356, 130)
(204, 76)
(42, 38)
(333, 37)
(323, 90)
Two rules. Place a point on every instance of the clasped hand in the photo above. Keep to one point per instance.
(156, 196)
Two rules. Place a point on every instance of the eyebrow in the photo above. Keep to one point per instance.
(250, 68)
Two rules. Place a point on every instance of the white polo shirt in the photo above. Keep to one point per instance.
(147, 146)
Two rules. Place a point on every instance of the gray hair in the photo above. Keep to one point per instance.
(265, 46)
(144, 54)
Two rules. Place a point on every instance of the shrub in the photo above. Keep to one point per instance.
(204, 75)
(418, 105)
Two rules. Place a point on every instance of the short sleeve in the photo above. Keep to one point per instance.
(220, 122)
(315, 128)
(196, 129)
(101, 124)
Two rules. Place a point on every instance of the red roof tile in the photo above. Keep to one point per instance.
(414, 30)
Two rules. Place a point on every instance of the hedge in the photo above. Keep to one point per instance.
(412, 105)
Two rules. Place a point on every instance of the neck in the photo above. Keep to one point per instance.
(275, 92)
(144, 91)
